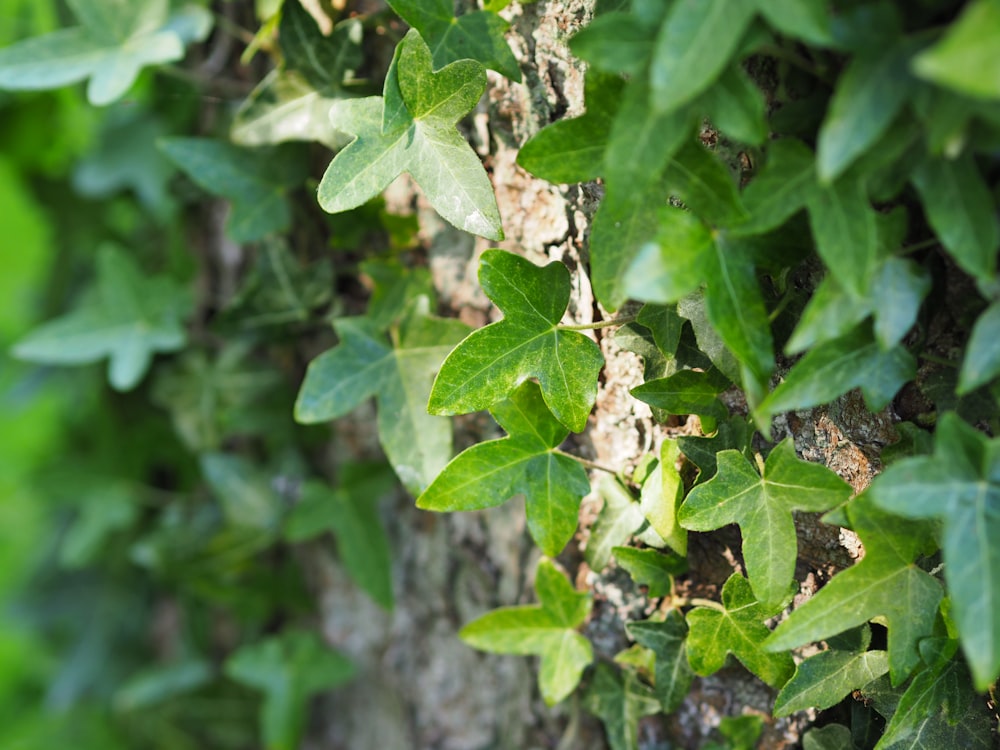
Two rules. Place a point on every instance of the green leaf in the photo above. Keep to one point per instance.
(684, 392)
(831, 312)
(661, 496)
(981, 363)
(808, 20)
(365, 364)
(671, 265)
(547, 629)
(835, 367)
(693, 47)
(885, 583)
(572, 150)
(735, 105)
(960, 485)
(527, 343)
(395, 286)
(128, 317)
(899, 286)
(117, 40)
(650, 568)
(619, 700)
(870, 93)
(324, 61)
(700, 179)
(694, 308)
(703, 451)
(157, 684)
(823, 680)
(255, 181)
(965, 58)
(845, 231)
(781, 188)
(288, 669)
(244, 491)
(762, 506)
(620, 517)
(477, 35)
(421, 138)
(351, 513)
(665, 325)
(673, 675)
(961, 211)
(615, 42)
(528, 462)
(830, 737)
(736, 627)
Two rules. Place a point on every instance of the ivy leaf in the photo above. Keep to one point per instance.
(527, 343)
(900, 286)
(965, 58)
(960, 485)
(703, 451)
(823, 680)
(323, 60)
(399, 375)
(762, 505)
(420, 138)
(736, 627)
(700, 179)
(620, 517)
(650, 568)
(661, 496)
(116, 41)
(844, 227)
(982, 357)
(829, 737)
(288, 669)
(547, 629)
(870, 93)
(692, 48)
(127, 317)
(807, 20)
(835, 367)
(395, 286)
(572, 150)
(527, 461)
(616, 42)
(672, 673)
(781, 188)
(673, 264)
(243, 490)
(685, 392)
(477, 35)
(832, 312)
(885, 583)
(736, 106)
(665, 325)
(256, 182)
(962, 211)
(350, 512)
(619, 700)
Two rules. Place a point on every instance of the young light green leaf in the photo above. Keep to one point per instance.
(962, 211)
(693, 47)
(350, 512)
(477, 35)
(781, 188)
(965, 58)
(981, 363)
(619, 700)
(620, 517)
(672, 673)
(885, 583)
(835, 367)
(844, 227)
(572, 150)
(650, 568)
(547, 629)
(737, 628)
(661, 496)
(870, 93)
(960, 485)
(116, 41)
(256, 182)
(823, 680)
(762, 506)
(289, 669)
(421, 139)
(526, 461)
(365, 364)
(527, 343)
(808, 20)
(128, 317)
(684, 392)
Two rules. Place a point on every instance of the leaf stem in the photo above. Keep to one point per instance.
(938, 360)
(585, 462)
(619, 321)
(698, 602)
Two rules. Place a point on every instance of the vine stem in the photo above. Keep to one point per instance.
(938, 360)
(698, 602)
(585, 462)
(619, 321)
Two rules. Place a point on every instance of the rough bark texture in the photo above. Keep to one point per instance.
(421, 687)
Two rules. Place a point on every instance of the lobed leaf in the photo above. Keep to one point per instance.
(619, 700)
(666, 638)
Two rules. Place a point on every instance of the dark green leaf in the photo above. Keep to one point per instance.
(736, 107)
(965, 58)
(843, 225)
(673, 674)
(885, 583)
(620, 700)
(694, 308)
(650, 568)
(477, 35)
(700, 179)
(395, 288)
(703, 451)
(762, 506)
(960, 485)
(364, 364)
(832, 312)
(526, 461)
(665, 325)
(737, 627)
(781, 188)
(808, 20)
(981, 363)
(323, 60)
(418, 136)
(527, 343)
(830, 737)
(128, 317)
(823, 680)
(684, 392)
(616, 42)
(547, 629)
(899, 287)
(158, 684)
